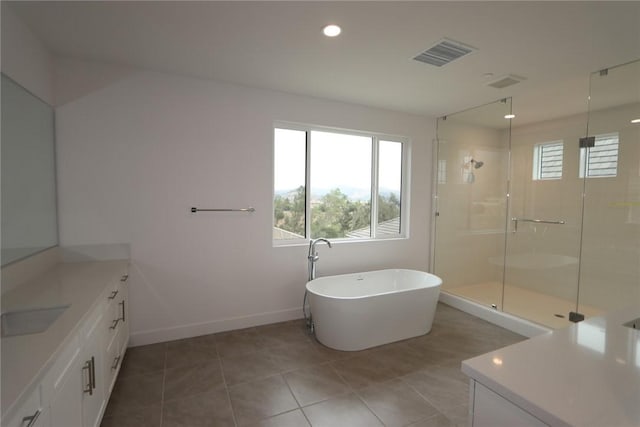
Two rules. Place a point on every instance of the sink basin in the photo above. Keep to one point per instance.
(31, 321)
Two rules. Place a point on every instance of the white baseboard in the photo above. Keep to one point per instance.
(500, 318)
(196, 329)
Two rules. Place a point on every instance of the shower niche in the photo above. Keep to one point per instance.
(541, 220)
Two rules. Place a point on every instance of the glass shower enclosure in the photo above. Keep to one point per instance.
(542, 220)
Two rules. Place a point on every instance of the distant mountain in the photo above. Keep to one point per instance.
(287, 194)
(353, 193)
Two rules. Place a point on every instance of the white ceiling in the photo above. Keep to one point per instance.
(279, 45)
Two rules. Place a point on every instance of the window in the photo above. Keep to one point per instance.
(337, 184)
(547, 160)
(601, 160)
(442, 171)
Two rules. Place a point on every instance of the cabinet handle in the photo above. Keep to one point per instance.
(114, 324)
(113, 295)
(89, 389)
(31, 418)
(93, 372)
(124, 278)
(116, 362)
(122, 304)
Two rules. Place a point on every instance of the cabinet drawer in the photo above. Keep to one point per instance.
(113, 359)
(30, 413)
(116, 310)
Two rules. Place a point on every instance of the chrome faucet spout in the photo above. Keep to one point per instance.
(313, 256)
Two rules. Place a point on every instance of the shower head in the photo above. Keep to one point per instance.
(477, 164)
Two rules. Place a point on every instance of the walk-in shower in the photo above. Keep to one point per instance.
(549, 229)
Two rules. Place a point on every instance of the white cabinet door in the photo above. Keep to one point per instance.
(42, 420)
(31, 413)
(93, 392)
(492, 410)
(66, 405)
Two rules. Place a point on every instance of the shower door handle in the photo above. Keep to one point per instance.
(537, 221)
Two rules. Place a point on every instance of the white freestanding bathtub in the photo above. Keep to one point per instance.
(357, 311)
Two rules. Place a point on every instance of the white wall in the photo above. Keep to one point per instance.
(24, 58)
(135, 155)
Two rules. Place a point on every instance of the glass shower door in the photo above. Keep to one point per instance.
(610, 165)
(471, 187)
(541, 263)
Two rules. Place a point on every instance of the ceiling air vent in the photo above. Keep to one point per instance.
(445, 51)
(504, 81)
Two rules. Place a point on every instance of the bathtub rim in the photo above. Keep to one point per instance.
(430, 286)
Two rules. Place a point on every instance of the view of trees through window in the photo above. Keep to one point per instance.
(333, 215)
(340, 182)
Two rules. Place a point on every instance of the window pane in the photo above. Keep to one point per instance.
(603, 157)
(601, 160)
(389, 187)
(289, 184)
(340, 185)
(547, 160)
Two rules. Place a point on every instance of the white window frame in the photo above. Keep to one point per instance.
(584, 160)
(376, 138)
(538, 152)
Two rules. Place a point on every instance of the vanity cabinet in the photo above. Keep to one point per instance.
(492, 410)
(75, 389)
(84, 396)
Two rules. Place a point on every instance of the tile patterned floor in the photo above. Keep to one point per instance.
(278, 376)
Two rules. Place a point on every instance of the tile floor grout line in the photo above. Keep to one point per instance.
(436, 407)
(164, 379)
(226, 387)
(351, 388)
(364, 402)
(291, 391)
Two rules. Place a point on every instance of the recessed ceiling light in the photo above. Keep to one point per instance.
(510, 116)
(635, 121)
(331, 30)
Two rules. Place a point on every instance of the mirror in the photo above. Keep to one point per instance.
(29, 219)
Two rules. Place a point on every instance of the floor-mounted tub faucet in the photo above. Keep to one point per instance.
(313, 256)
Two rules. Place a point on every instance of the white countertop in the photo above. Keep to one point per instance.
(587, 374)
(26, 358)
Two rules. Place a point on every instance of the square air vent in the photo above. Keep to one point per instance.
(445, 51)
(504, 81)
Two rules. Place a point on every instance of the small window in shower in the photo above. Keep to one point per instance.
(547, 160)
(601, 160)
(442, 171)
